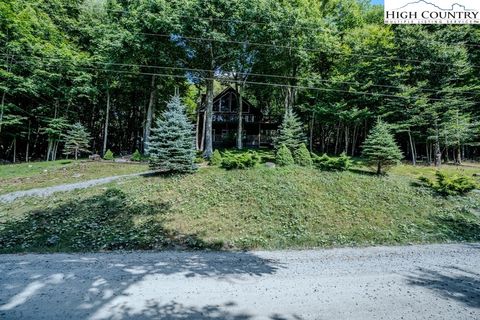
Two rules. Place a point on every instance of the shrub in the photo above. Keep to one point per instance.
(284, 157)
(136, 156)
(240, 161)
(450, 185)
(327, 163)
(302, 156)
(216, 158)
(108, 155)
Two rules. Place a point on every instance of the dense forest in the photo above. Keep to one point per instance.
(110, 66)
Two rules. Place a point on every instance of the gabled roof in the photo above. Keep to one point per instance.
(227, 90)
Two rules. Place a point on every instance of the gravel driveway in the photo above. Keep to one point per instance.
(415, 282)
(47, 191)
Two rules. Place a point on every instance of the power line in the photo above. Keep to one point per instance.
(265, 84)
(275, 46)
(280, 24)
(240, 73)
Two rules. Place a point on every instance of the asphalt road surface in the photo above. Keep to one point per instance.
(414, 282)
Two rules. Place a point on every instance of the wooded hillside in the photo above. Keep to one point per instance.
(112, 65)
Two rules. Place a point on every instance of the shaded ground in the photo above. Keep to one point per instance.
(417, 282)
(245, 209)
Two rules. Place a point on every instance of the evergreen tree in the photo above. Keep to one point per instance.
(291, 132)
(172, 141)
(284, 157)
(380, 147)
(76, 140)
(108, 155)
(302, 156)
(216, 158)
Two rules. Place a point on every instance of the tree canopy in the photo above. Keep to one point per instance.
(112, 65)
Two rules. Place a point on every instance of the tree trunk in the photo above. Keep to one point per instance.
(105, 130)
(436, 147)
(379, 168)
(27, 149)
(240, 117)
(459, 155)
(412, 148)
(207, 153)
(312, 124)
(150, 113)
(354, 139)
(347, 132)
(197, 131)
(49, 149)
(4, 93)
(76, 154)
(337, 138)
(2, 106)
(55, 150)
(14, 149)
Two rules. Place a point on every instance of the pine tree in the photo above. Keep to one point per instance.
(380, 147)
(76, 140)
(291, 132)
(172, 141)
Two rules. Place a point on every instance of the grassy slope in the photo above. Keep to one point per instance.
(43, 174)
(258, 208)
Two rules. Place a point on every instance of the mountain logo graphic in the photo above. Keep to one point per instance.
(432, 11)
(452, 8)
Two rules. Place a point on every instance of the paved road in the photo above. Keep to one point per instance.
(416, 282)
(47, 191)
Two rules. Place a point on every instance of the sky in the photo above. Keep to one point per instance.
(377, 1)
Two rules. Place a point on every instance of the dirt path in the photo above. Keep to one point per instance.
(414, 282)
(47, 191)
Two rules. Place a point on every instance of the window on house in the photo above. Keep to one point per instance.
(224, 104)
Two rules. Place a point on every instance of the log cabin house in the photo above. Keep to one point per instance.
(258, 130)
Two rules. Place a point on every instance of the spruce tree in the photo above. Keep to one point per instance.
(76, 140)
(291, 132)
(172, 141)
(380, 147)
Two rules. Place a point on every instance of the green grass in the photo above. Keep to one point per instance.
(268, 208)
(15, 177)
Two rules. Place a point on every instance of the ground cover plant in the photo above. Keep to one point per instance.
(241, 160)
(451, 184)
(327, 163)
(285, 207)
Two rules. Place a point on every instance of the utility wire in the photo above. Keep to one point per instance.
(275, 46)
(265, 84)
(247, 22)
(239, 73)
